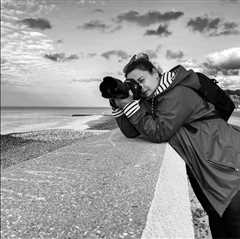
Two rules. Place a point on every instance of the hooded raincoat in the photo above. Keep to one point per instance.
(212, 150)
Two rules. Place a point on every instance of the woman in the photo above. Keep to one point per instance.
(169, 111)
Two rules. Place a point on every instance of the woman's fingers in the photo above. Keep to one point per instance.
(122, 102)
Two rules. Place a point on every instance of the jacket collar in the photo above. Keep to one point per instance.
(165, 82)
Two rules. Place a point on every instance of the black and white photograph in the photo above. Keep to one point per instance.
(120, 119)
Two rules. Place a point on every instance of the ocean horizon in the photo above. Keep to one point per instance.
(30, 118)
(15, 119)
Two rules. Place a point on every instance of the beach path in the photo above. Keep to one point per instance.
(105, 186)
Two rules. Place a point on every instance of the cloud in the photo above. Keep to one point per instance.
(202, 24)
(59, 41)
(38, 23)
(3, 61)
(223, 63)
(228, 28)
(60, 57)
(219, 65)
(232, 1)
(115, 29)
(27, 7)
(227, 78)
(94, 24)
(72, 57)
(100, 26)
(190, 63)
(99, 10)
(90, 55)
(148, 18)
(122, 55)
(152, 53)
(22, 48)
(86, 80)
(229, 83)
(174, 54)
(15, 83)
(230, 72)
(213, 71)
(55, 57)
(162, 30)
(91, 2)
(228, 59)
(212, 26)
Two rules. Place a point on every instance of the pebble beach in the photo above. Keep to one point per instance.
(22, 146)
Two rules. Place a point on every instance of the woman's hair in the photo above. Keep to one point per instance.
(141, 64)
(139, 61)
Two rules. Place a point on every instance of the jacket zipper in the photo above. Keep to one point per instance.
(152, 107)
(223, 166)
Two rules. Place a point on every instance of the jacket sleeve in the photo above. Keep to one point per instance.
(171, 111)
(124, 124)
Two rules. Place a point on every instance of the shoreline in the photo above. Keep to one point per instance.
(72, 123)
(105, 122)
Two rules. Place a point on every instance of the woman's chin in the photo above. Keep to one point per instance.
(144, 95)
(150, 95)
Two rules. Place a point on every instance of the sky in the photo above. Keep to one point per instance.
(56, 52)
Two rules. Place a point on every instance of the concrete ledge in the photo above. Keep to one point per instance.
(170, 215)
(100, 187)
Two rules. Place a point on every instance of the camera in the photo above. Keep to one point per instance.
(112, 88)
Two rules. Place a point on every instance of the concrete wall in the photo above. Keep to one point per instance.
(169, 215)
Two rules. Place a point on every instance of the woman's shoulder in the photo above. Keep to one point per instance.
(180, 91)
(180, 96)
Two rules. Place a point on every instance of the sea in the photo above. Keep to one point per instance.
(24, 119)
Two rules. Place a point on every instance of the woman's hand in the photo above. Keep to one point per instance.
(122, 102)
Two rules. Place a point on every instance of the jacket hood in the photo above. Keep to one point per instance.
(185, 77)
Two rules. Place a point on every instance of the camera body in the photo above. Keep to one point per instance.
(112, 88)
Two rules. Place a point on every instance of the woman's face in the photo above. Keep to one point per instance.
(148, 81)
